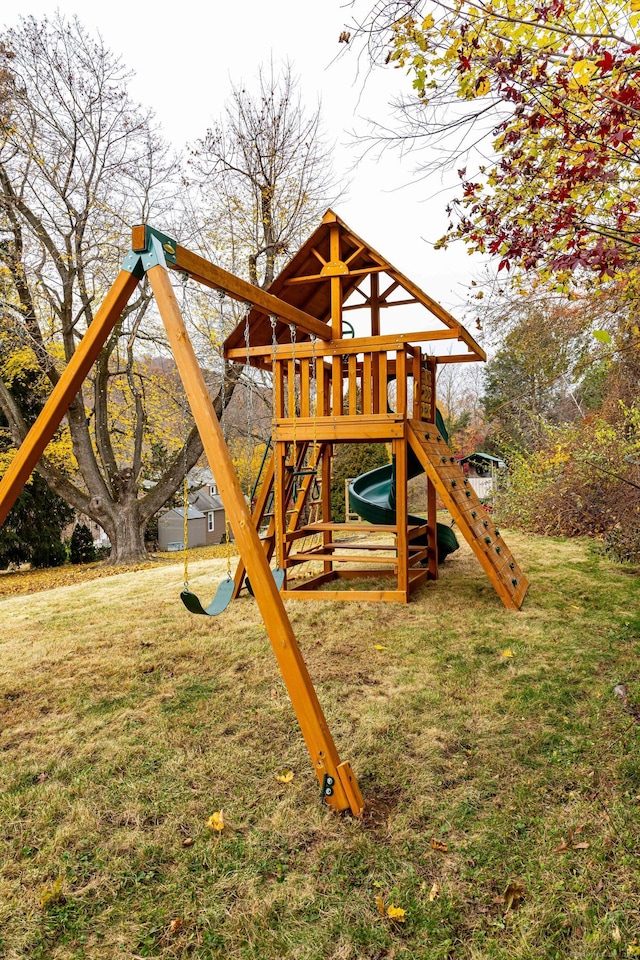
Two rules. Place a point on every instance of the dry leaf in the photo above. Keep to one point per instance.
(633, 950)
(581, 846)
(52, 895)
(513, 895)
(435, 890)
(616, 936)
(379, 646)
(187, 842)
(285, 777)
(562, 846)
(396, 913)
(380, 905)
(439, 845)
(176, 925)
(216, 821)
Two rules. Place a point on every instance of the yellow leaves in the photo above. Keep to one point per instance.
(285, 777)
(176, 926)
(439, 845)
(434, 892)
(583, 71)
(507, 654)
(482, 87)
(216, 821)
(52, 895)
(428, 22)
(379, 646)
(397, 914)
(633, 950)
(635, 6)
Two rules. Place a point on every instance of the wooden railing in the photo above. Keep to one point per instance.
(356, 385)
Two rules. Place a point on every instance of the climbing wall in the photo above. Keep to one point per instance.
(473, 521)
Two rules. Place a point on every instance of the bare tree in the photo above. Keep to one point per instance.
(266, 173)
(79, 164)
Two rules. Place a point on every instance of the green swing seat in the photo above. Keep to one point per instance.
(220, 602)
(278, 576)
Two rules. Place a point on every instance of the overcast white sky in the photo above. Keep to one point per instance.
(185, 57)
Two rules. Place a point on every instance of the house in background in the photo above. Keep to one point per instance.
(205, 516)
(483, 470)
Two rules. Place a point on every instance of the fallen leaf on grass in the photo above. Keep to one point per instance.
(507, 653)
(380, 905)
(513, 895)
(176, 925)
(633, 950)
(187, 842)
(379, 646)
(396, 913)
(285, 777)
(570, 844)
(439, 845)
(216, 821)
(52, 895)
(435, 890)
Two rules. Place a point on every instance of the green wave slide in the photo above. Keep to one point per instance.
(372, 496)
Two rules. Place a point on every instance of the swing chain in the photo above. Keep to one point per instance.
(293, 398)
(184, 279)
(247, 342)
(276, 487)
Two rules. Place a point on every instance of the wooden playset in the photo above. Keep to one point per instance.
(328, 388)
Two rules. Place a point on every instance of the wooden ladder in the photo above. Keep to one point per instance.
(465, 507)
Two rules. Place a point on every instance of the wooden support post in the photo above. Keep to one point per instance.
(291, 391)
(294, 671)
(382, 383)
(375, 304)
(305, 388)
(432, 531)
(278, 411)
(325, 488)
(399, 448)
(401, 382)
(336, 391)
(416, 371)
(65, 390)
(367, 384)
(353, 385)
(281, 488)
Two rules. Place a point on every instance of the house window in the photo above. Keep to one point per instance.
(210, 519)
(213, 490)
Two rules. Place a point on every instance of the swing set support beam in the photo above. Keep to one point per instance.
(340, 788)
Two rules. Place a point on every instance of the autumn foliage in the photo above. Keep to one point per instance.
(553, 88)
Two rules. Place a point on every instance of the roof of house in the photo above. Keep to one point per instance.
(204, 501)
(487, 457)
(192, 514)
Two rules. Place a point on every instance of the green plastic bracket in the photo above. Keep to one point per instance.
(158, 248)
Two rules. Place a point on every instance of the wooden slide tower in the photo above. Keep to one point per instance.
(333, 385)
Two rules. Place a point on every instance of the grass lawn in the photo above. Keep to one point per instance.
(502, 772)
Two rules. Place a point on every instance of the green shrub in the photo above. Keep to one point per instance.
(82, 549)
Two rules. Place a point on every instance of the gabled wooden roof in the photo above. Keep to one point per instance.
(305, 283)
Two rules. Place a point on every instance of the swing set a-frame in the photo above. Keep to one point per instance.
(297, 331)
